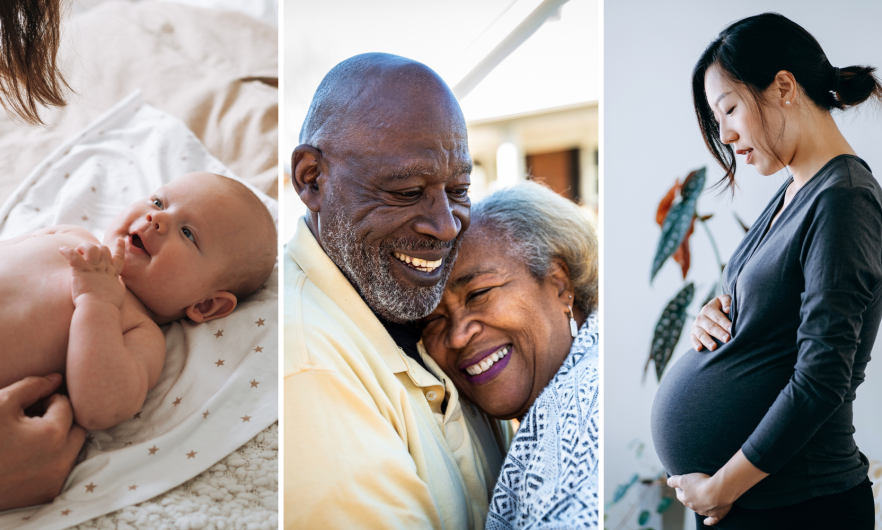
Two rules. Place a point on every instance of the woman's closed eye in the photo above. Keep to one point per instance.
(477, 294)
(430, 320)
(729, 112)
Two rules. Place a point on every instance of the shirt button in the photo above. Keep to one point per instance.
(431, 395)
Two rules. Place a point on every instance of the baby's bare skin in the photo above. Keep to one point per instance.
(111, 354)
(92, 312)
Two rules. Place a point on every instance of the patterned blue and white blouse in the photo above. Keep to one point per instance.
(550, 476)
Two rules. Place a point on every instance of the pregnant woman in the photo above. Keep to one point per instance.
(757, 431)
(517, 334)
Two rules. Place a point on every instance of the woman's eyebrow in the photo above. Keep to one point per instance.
(459, 281)
(721, 96)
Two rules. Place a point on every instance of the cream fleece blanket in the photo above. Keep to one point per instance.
(200, 65)
(219, 384)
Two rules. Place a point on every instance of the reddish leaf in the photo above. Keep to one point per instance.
(706, 217)
(665, 205)
(681, 255)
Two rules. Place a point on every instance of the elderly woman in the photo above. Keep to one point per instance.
(517, 317)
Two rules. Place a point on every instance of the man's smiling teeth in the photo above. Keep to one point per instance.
(417, 263)
(488, 361)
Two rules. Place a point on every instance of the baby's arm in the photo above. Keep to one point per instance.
(108, 371)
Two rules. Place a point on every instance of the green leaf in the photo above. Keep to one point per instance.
(668, 329)
(664, 505)
(677, 221)
(623, 489)
(644, 516)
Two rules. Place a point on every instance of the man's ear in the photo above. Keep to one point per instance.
(218, 304)
(306, 163)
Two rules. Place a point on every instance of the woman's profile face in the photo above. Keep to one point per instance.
(740, 124)
(493, 308)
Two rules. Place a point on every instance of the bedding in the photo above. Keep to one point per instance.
(204, 66)
(219, 385)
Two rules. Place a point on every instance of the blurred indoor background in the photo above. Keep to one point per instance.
(526, 73)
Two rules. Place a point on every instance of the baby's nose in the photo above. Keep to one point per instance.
(156, 221)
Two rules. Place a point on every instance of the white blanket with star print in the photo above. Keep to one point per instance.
(219, 385)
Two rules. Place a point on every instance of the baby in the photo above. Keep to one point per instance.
(92, 312)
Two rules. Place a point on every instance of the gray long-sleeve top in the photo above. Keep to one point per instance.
(807, 301)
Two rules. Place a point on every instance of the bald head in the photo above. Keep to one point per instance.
(375, 91)
(383, 167)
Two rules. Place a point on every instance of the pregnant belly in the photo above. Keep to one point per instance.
(709, 403)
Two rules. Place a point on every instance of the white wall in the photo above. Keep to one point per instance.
(651, 137)
(556, 66)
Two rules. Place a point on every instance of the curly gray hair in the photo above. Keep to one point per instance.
(541, 226)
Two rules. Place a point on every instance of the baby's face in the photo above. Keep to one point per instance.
(178, 242)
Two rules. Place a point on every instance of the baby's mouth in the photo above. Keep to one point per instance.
(136, 241)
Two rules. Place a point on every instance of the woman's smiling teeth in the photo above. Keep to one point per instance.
(417, 263)
(488, 361)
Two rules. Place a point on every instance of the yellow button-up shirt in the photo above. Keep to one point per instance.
(367, 443)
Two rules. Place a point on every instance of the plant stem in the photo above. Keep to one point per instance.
(716, 250)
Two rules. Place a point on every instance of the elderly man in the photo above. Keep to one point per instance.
(375, 436)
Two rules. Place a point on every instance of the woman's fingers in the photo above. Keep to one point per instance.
(716, 316)
(712, 328)
(712, 322)
(703, 338)
(717, 516)
(725, 302)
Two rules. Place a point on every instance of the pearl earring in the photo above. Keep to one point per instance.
(573, 329)
(787, 102)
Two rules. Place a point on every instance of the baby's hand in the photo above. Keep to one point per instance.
(96, 272)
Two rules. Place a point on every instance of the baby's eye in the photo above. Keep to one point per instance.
(157, 202)
(189, 234)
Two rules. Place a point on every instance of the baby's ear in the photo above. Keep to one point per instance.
(218, 304)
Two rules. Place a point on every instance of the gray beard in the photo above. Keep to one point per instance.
(369, 270)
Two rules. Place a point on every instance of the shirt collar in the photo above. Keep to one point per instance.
(327, 277)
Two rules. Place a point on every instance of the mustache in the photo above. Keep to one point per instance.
(406, 243)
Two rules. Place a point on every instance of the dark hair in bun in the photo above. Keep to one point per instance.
(751, 52)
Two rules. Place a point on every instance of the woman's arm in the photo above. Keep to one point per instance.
(842, 266)
(714, 496)
(841, 262)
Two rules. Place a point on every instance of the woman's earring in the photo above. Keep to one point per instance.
(574, 330)
(787, 102)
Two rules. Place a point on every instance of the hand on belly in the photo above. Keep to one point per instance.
(697, 492)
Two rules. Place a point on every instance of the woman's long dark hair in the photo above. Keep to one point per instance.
(751, 52)
(29, 74)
